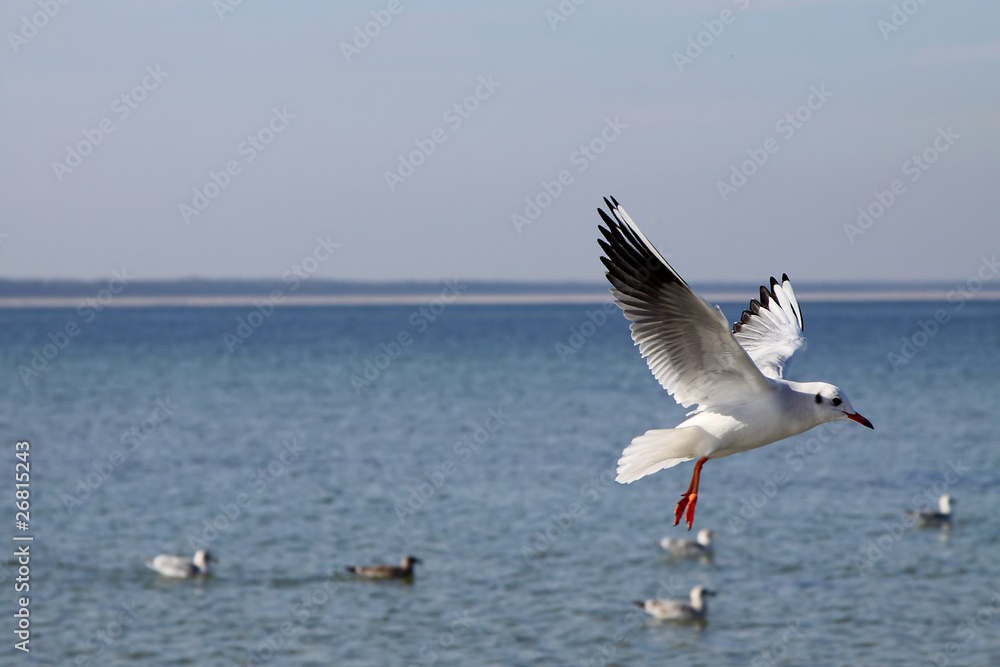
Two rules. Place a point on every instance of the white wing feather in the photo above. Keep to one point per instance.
(686, 342)
(771, 329)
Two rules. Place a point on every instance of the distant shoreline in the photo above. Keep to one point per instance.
(471, 298)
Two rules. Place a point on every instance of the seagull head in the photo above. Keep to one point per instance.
(202, 558)
(698, 594)
(829, 404)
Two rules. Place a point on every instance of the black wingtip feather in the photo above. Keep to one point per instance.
(633, 265)
(607, 219)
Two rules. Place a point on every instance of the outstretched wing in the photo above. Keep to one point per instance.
(686, 343)
(771, 329)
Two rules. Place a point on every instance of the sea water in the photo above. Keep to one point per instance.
(484, 441)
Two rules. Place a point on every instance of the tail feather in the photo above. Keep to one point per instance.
(657, 449)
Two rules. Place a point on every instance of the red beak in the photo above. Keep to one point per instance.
(861, 420)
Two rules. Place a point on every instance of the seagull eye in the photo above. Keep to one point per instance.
(836, 400)
(819, 398)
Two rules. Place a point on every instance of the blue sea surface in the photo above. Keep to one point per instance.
(483, 440)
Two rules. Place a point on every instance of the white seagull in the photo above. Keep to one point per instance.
(678, 610)
(181, 566)
(931, 518)
(735, 378)
(687, 548)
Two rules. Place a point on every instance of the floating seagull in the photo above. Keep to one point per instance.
(931, 518)
(181, 566)
(678, 610)
(402, 571)
(734, 378)
(687, 548)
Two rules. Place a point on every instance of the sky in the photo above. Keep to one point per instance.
(392, 140)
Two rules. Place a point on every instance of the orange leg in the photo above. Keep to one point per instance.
(690, 496)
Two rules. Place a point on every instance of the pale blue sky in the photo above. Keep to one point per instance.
(678, 134)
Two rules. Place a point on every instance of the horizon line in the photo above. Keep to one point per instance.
(495, 299)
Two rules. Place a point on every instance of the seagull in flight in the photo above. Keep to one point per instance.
(734, 378)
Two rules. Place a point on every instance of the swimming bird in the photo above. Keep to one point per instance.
(402, 571)
(678, 610)
(734, 377)
(688, 548)
(181, 566)
(931, 518)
